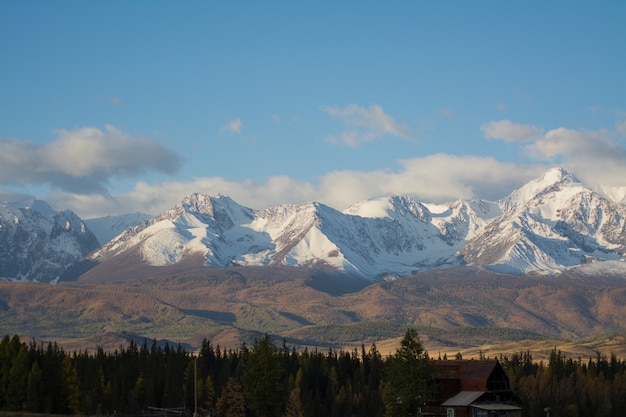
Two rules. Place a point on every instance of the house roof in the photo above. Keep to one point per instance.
(472, 373)
(497, 407)
(463, 399)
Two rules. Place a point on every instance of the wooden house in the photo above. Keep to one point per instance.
(473, 388)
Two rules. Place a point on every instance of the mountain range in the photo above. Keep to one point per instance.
(544, 266)
(549, 225)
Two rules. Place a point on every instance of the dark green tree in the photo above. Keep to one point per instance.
(71, 386)
(263, 379)
(409, 378)
(232, 403)
(34, 391)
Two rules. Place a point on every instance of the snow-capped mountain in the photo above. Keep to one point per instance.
(550, 224)
(38, 243)
(402, 242)
(106, 228)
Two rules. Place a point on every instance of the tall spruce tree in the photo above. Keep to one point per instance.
(232, 403)
(409, 378)
(262, 379)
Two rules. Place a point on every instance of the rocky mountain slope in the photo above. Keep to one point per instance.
(550, 224)
(38, 243)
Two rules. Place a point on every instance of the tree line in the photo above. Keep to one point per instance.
(267, 379)
(565, 387)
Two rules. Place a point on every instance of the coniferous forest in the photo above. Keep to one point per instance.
(271, 380)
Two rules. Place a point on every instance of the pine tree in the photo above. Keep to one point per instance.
(71, 386)
(232, 403)
(34, 391)
(262, 379)
(208, 394)
(409, 383)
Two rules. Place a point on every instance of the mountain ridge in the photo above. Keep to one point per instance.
(39, 243)
(548, 225)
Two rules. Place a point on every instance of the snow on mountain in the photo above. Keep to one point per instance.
(462, 220)
(106, 228)
(38, 243)
(613, 193)
(226, 233)
(550, 224)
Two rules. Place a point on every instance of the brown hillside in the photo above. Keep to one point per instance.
(455, 309)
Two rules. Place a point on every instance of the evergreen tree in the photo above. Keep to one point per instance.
(34, 391)
(207, 394)
(409, 381)
(232, 403)
(262, 379)
(18, 378)
(71, 386)
(372, 391)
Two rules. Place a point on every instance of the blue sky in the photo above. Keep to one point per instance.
(113, 107)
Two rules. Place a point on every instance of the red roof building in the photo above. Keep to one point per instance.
(473, 388)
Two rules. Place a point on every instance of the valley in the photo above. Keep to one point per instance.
(456, 310)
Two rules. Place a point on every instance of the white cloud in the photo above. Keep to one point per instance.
(366, 124)
(436, 178)
(511, 132)
(156, 198)
(234, 126)
(595, 157)
(83, 160)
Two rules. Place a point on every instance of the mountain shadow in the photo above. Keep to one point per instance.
(336, 283)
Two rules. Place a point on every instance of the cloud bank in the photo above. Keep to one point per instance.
(83, 160)
(435, 178)
(596, 157)
(78, 159)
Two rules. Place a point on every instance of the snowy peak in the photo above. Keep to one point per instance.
(38, 243)
(554, 180)
(394, 207)
(226, 233)
(550, 224)
(207, 204)
(219, 208)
